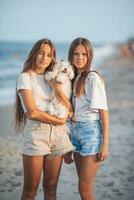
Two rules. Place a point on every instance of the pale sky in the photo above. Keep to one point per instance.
(63, 20)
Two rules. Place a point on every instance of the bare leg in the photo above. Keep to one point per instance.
(77, 159)
(51, 171)
(87, 167)
(32, 172)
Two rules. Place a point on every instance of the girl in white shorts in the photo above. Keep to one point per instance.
(45, 138)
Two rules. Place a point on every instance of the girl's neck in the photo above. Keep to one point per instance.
(79, 72)
(36, 72)
(40, 72)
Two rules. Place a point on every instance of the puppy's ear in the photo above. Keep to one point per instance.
(56, 69)
(71, 75)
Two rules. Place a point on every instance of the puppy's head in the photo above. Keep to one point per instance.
(64, 68)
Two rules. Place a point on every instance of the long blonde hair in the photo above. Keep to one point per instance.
(30, 65)
(80, 86)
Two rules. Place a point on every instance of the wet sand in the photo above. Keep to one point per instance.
(115, 180)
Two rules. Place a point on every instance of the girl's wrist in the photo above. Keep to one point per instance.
(106, 142)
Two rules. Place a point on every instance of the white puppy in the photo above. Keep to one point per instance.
(63, 73)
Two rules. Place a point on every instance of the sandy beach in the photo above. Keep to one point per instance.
(115, 180)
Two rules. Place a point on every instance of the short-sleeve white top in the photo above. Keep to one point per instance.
(86, 107)
(41, 91)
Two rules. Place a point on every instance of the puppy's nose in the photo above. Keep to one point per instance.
(65, 69)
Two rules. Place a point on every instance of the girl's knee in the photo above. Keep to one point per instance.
(85, 190)
(29, 193)
(50, 189)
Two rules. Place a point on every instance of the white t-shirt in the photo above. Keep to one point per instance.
(40, 89)
(86, 107)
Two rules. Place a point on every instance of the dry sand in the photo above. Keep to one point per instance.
(115, 180)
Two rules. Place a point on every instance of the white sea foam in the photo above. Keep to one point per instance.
(103, 52)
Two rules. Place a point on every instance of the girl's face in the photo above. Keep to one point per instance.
(43, 58)
(80, 57)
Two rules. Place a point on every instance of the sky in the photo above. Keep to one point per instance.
(64, 20)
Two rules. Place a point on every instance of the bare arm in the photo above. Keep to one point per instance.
(34, 113)
(105, 128)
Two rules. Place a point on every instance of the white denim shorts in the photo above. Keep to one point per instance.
(45, 139)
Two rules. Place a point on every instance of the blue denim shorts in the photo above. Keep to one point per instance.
(86, 137)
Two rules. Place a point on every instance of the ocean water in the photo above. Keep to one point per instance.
(14, 54)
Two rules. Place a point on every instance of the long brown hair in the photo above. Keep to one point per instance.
(80, 86)
(30, 65)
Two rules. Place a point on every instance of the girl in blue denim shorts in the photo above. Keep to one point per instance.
(89, 128)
